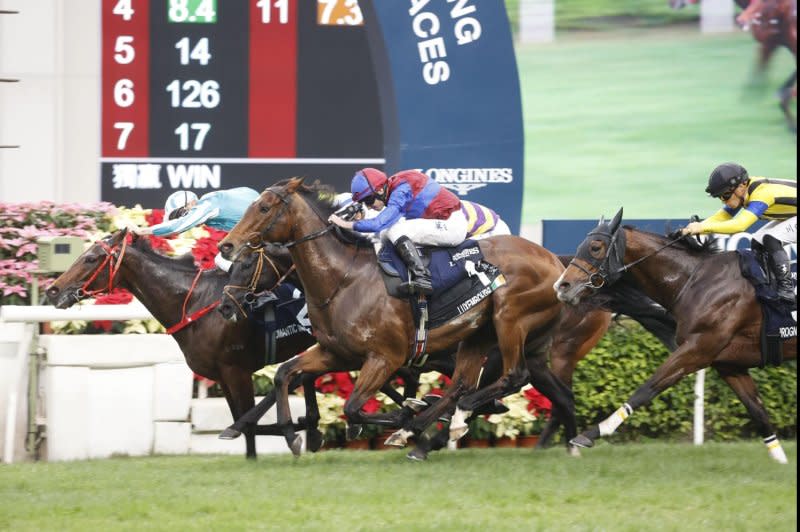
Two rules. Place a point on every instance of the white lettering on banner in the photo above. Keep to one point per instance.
(136, 176)
(431, 47)
(474, 300)
(788, 332)
(462, 180)
(464, 253)
(200, 176)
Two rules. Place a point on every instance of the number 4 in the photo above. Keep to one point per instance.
(124, 9)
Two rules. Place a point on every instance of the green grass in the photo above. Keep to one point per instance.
(654, 486)
(639, 118)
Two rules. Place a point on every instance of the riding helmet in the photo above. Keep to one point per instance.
(178, 200)
(367, 182)
(725, 177)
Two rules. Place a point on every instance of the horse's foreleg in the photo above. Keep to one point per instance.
(315, 360)
(254, 414)
(374, 374)
(687, 359)
(742, 384)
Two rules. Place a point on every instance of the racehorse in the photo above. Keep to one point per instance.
(773, 23)
(215, 348)
(577, 333)
(718, 315)
(359, 326)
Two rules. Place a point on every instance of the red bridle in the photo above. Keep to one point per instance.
(113, 268)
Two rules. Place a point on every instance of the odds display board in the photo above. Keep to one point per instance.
(210, 94)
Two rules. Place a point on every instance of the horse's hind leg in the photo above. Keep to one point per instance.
(314, 439)
(742, 384)
(786, 93)
(237, 384)
(559, 394)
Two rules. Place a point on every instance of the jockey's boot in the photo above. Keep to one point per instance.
(781, 268)
(420, 282)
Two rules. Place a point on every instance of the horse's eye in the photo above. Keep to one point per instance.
(264, 209)
(90, 259)
(596, 248)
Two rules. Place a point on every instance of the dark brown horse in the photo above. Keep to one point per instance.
(360, 327)
(172, 289)
(718, 316)
(773, 24)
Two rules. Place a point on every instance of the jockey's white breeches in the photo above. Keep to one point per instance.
(425, 232)
(783, 230)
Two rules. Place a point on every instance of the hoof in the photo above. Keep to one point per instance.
(229, 434)
(353, 432)
(297, 446)
(581, 440)
(397, 439)
(456, 433)
(417, 455)
(315, 441)
(414, 404)
(573, 451)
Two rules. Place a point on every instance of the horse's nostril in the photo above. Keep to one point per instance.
(225, 249)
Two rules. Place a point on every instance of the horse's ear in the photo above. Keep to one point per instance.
(616, 220)
(120, 235)
(602, 220)
(294, 183)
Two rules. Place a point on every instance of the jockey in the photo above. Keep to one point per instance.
(747, 200)
(220, 209)
(414, 209)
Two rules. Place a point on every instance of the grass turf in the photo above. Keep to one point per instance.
(651, 486)
(638, 118)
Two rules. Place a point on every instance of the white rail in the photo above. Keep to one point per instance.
(40, 313)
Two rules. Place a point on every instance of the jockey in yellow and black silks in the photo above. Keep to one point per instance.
(747, 199)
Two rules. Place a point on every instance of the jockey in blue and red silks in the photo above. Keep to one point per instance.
(414, 209)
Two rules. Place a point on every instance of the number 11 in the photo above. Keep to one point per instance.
(266, 10)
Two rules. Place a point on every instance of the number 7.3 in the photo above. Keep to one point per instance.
(183, 132)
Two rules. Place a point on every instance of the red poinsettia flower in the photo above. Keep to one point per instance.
(118, 296)
(538, 403)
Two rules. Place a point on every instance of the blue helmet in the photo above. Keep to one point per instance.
(176, 201)
(367, 182)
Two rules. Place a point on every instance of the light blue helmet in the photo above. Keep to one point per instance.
(176, 201)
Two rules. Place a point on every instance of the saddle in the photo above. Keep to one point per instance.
(279, 314)
(460, 276)
(779, 318)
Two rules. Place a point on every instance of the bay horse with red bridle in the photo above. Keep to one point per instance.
(718, 316)
(359, 326)
(181, 297)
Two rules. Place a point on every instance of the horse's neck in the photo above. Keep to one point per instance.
(664, 273)
(323, 264)
(161, 290)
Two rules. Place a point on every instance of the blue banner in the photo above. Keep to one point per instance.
(449, 95)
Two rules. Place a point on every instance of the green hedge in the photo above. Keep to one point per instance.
(628, 355)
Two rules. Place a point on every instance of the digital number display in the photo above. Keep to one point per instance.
(339, 13)
(205, 94)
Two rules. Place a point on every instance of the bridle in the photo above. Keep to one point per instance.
(251, 286)
(610, 268)
(112, 252)
(261, 242)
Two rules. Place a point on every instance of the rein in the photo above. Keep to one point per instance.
(196, 315)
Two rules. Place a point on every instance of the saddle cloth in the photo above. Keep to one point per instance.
(779, 318)
(280, 314)
(461, 278)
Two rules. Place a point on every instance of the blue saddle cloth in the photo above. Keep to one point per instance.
(280, 314)
(455, 291)
(778, 323)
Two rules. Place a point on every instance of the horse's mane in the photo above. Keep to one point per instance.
(321, 198)
(184, 262)
(689, 244)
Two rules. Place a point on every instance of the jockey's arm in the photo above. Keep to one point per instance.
(201, 213)
(723, 223)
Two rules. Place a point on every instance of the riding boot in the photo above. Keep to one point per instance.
(781, 268)
(420, 282)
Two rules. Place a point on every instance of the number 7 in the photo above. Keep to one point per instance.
(125, 129)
